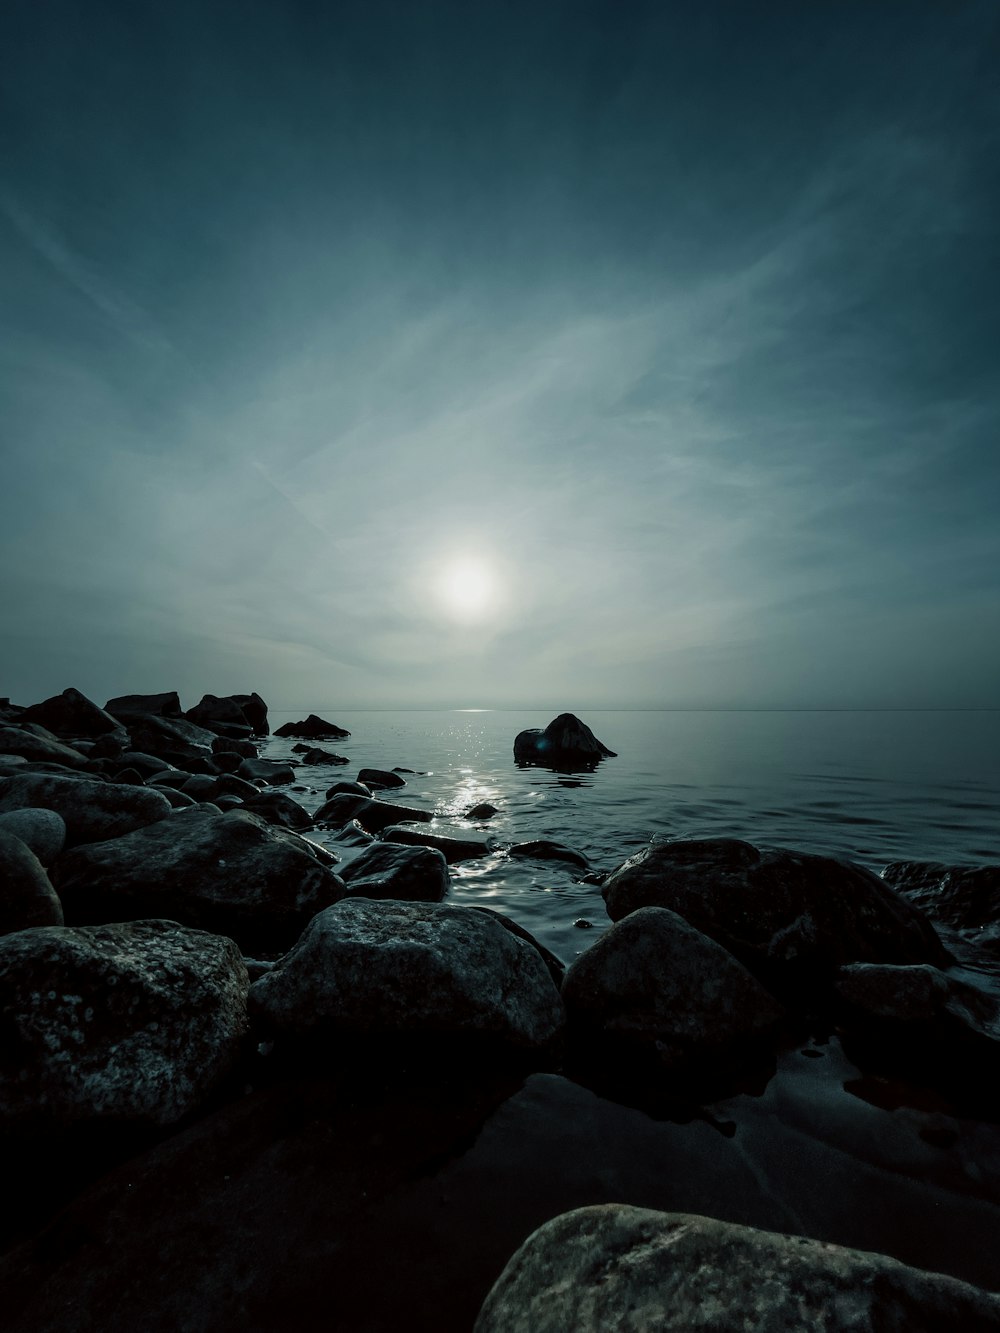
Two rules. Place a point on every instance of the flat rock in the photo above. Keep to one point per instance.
(122, 1023)
(791, 917)
(43, 831)
(233, 874)
(372, 814)
(391, 968)
(389, 870)
(313, 728)
(633, 1269)
(92, 811)
(452, 849)
(27, 897)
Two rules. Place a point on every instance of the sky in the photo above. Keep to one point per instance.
(567, 354)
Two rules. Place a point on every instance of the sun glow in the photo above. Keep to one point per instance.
(468, 589)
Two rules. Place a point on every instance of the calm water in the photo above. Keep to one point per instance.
(873, 787)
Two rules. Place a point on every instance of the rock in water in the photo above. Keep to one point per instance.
(378, 969)
(634, 1270)
(371, 814)
(27, 897)
(122, 1023)
(387, 870)
(312, 729)
(791, 917)
(91, 811)
(566, 740)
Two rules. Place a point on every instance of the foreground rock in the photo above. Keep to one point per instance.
(632, 1269)
(312, 729)
(792, 918)
(383, 969)
(123, 1023)
(92, 811)
(373, 815)
(27, 897)
(233, 874)
(654, 994)
(565, 741)
(964, 898)
(387, 870)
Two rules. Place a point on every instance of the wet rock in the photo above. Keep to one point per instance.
(92, 811)
(72, 714)
(453, 849)
(232, 873)
(129, 706)
(312, 729)
(541, 849)
(565, 741)
(27, 897)
(277, 808)
(632, 1269)
(388, 870)
(122, 1023)
(654, 994)
(481, 811)
(792, 918)
(555, 967)
(353, 835)
(373, 815)
(380, 777)
(231, 785)
(266, 770)
(42, 831)
(311, 754)
(967, 898)
(29, 744)
(368, 968)
(348, 789)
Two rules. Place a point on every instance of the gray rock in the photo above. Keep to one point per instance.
(611, 1266)
(565, 741)
(312, 729)
(380, 777)
(542, 849)
(129, 706)
(390, 968)
(39, 749)
(386, 870)
(373, 815)
(43, 831)
(27, 897)
(653, 993)
(92, 811)
(312, 754)
(453, 849)
(266, 770)
(214, 708)
(178, 799)
(230, 745)
(232, 873)
(277, 808)
(72, 714)
(348, 789)
(121, 1023)
(174, 739)
(149, 765)
(353, 835)
(792, 918)
(200, 787)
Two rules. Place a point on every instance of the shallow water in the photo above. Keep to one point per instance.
(873, 787)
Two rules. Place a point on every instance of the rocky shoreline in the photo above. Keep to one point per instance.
(234, 1059)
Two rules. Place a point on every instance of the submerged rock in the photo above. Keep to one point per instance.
(612, 1266)
(27, 897)
(452, 849)
(312, 729)
(91, 810)
(121, 1023)
(367, 968)
(391, 870)
(312, 754)
(373, 815)
(566, 740)
(271, 771)
(380, 777)
(542, 849)
(791, 917)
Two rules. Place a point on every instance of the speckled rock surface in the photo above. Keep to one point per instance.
(634, 1270)
(92, 810)
(392, 870)
(132, 1023)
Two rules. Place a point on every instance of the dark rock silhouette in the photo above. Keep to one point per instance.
(312, 729)
(566, 741)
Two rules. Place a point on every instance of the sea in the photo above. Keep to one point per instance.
(871, 787)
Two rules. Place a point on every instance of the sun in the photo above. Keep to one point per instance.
(468, 588)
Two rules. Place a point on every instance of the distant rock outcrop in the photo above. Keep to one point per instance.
(566, 741)
(312, 729)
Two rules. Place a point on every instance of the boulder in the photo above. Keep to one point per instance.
(481, 811)
(44, 748)
(384, 969)
(92, 811)
(380, 777)
(388, 870)
(452, 849)
(129, 706)
(611, 1266)
(42, 831)
(565, 741)
(654, 995)
(542, 849)
(791, 917)
(255, 712)
(312, 729)
(233, 874)
(72, 714)
(27, 897)
(312, 754)
(240, 712)
(230, 745)
(121, 1023)
(371, 814)
(266, 770)
(174, 739)
(348, 789)
(277, 808)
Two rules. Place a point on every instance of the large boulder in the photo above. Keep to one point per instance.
(40, 746)
(389, 969)
(793, 918)
(120, 1023)
(654, 995)
(129, 706)
(71, 714)
(255, 712)
(387, 870)
(566, 741)
(174, 739)
(215, 712)
(276, 808)
(233, 874)
(27, 897)
(373, 815)
(91, 810)
(313, 728)
(43, 831)
(611, 1266)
